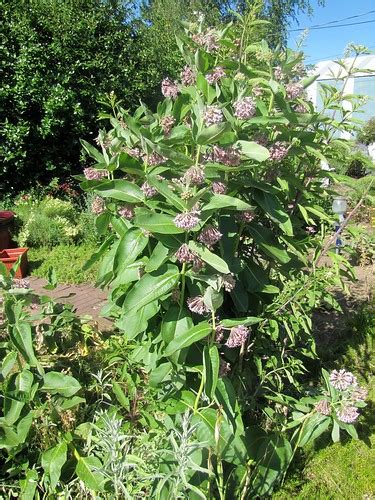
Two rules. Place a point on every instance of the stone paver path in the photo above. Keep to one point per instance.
(86, 299)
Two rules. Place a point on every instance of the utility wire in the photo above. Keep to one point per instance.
(331, 27)
(343, 19)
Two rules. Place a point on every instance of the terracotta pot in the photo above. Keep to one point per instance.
(6, 220)
(9, 257)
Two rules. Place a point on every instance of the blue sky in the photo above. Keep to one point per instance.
(330, 43)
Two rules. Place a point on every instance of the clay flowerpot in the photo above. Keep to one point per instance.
(9, 257)
(6, 220)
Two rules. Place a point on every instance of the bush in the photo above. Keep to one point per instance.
(367, 134)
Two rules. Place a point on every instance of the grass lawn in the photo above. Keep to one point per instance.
(67, 260)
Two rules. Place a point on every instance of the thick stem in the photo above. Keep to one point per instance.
(199, 394)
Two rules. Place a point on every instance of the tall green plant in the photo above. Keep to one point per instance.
(209, 206)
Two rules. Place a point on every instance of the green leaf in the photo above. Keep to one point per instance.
(264, 238)
(60, 383)
(88, 470)
(136, 322)
(8, 363)
(272, 206)
(151, 287)
(131, 245)
(211, 362)
(157, 258)
(156, 223)
(225, 201)
(159, 374)
(120, 189)
(335, 432)
(313, 428)
(20, 335)
(164, 189)
(213, 133)
(99, 253)
(188, 338)
(249, 320)
(176, 322)
(29, 485)
(212, 259)
(93, 152)
(253, 150)
(120, 395)
(212, 298)
(52, 462)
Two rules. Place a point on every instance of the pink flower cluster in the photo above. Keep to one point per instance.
(167, 124)
(244, 108)
(209, 236)
(278, 151)
(237, 336)
(348, 414)
(155, 159)
(217, 74)
(294, 90)
(126, 211)
(208, 40)
(194, 176)
(219, 187)
(342, 379)
(185, 255)
(212, 116)
(229, 282)
(148, 190)
(169, 88)
(323, 407)
(188, 76)
(187, 220)
(97, 205)
(230, 156)
(197, 305)
(92, 174)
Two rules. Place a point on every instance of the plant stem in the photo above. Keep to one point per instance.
(183, 285)
(198, 154)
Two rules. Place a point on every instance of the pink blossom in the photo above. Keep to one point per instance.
(348, 414)
(244, 108)
(279, 75)
(169, 88)
(341, 379)
(294, 90)
(148, 190)
(208, 40)
(323, 407)
(217, 74)
(94, 174)
(212, 116)
(186, 220)
(197, 305)
(126, 211)
(246, 216)
(155, 159)
(209, 236)
(194, 176)
(227, 156)
(167, 124)
(188, 76)
(184, 254)
(229, 282)
(237, 336)
(278, 151)
(97, 205)
(219, 187)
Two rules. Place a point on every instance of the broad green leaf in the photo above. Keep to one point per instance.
(131, 245)
(249, 320)
(212, 259)
(213, 299)
(99, 253)
(158, 375)
(253, 150)
(225, 201)
(8, 363)
(20, 335)
(264, 238)
(136, 322)
(151, 287)
(93, 152)
(313, 428)
(60, 383)
(213, 133)
(335, 432)
(52, 462)
(176, 322)
(164, 189)
(157, 223)
(88, 470)
(272, 206)
(157, 258)
(120, 395)
(120, 189)
(188, 338)
(29, 485)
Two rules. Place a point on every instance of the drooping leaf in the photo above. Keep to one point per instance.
(151, 287)
(264, 238)
(88, 470)
(131, 245)
(53, 461)
(272, 206)
(157, 223)
(253, 150)
(60, 383)
(213, 133)
(225, 201)
(188, 338)
(120, 189)
(157, 258)
(211, 258)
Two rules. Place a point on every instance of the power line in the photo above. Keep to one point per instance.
(331, 27)
(324, 58)
(343, 19)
